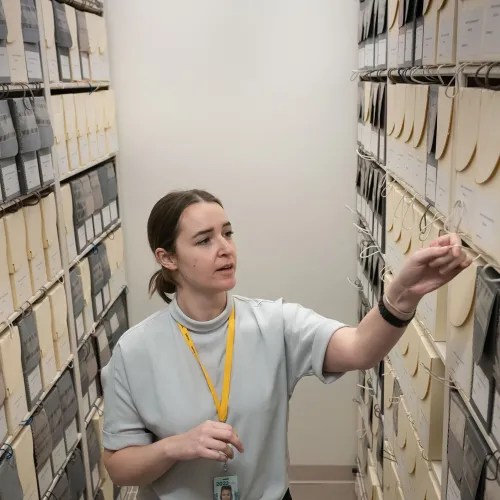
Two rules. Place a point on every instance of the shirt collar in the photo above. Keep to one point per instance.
(200, 326)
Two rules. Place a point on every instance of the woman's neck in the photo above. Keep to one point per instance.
(200, 307)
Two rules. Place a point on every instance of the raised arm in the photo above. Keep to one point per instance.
(425, 271)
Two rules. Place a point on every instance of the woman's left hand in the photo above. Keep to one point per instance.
(427, 270)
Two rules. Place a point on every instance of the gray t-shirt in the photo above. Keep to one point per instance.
(154, 388)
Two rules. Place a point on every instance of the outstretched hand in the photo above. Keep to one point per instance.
(428, 269)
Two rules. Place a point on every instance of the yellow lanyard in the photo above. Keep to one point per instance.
(221, 407)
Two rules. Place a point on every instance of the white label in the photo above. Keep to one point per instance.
(45, 478)
(101, 140)
(4, 63)
(93, 393)
(80, 327)
(409, 45)
(114, 323)
(74, 154)
(3, 424)
(59, 455)
(114, 210)
(10, 180)
(32, 174)
(65, 67)
(82, 237)
(35, 384)
(369, 55)
(95, 477)
(445, 48)
(85, 66)
(89, 229)
(99, 306)
(71, 435)
(401, 49)
(430, 185)
(33, 65)
(98, 224)
(86, 404)
(419, 42)
(62, 155)
(486, 223)
(75, 66)
(83, 144)
(469, 34)
(491, 36)
(429, 51)
(19, 407)
(46, 168)
(106, 292)
(452, 490)
(382, 52)
(106, 216)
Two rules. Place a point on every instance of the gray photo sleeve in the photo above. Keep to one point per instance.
(307, 334)
(123, 426)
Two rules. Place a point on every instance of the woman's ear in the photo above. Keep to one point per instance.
(166, 259)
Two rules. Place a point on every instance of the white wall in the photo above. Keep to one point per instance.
(252, 101)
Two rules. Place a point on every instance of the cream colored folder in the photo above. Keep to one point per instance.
(36, 257)
(6, 299)
(17, 258)
(92, 128)
(461, 299)
(50, 40)
(486, 234)
(99, 103)
(96, 70)
(68, 221)
(23, 450)
(15, 44)
(393, 33)
(74, 53)
(43, 318)
(447, 32)
(82, 128)
(407, 167)
(70, 128)
(419, 138)
(110, 121)
(60, 335)
(431, 22)
(49, 236)
(470, 30)
(88, 312)
(60, 134)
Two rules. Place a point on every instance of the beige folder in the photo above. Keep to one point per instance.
(70, 128)
(393, 33)
(419, 138)
(447, 31)
(99, 103)
(470, 30)
(43, 318)
(15, 44)
(88, 312)
(50, 40)
(60, 134)
(34, 248)
(82, 128)
(110, 121)
(431, 22)
(60, 335)
(92, 128)
(74, 52)
(50, 236)
(6, 299)
(68, 221)
(24, 452)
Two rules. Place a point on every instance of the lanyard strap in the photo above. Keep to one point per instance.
(221, 406)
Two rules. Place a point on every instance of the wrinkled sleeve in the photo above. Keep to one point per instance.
(307, 334)
(123, 426)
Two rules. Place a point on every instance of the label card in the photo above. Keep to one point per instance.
(32, 173)
(114, 323)
(106, 216)
(101, 141)
(10, 180)
(33, 65)
(480, 391)
(46, 168)
(82, 237)
(114, 210)
(98, 224)
(80, 327)
(45, 478)
(59, 455)
(99, 306)
(85, 66)
(470, 33)
(445, 47)
(89, 229)
(65, 67)
(35, 384)
(62, 154)
(71, 435)
(106, 293)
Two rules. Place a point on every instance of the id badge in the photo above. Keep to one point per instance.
(226, 488)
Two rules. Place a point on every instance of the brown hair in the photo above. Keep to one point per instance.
(163, 229)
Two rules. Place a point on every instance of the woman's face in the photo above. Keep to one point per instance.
(225, 495)
(205, 253)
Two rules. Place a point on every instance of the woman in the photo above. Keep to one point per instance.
(172, 432)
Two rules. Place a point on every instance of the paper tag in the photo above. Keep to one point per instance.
(469, 33)
(114, 323)
(82, 237)
(45, 478)
(32, 174)
(491, 31)
(71, 435)
(419, 42)
(445, 47)
(35, 384)
(93, 393)
(99, 306)
(4, 63)
(83, 144)
(74, 154)
(62, 156)
(106, 216)
(80, 327)
(95, 477)
(85, 66)
(59, 455)
(409, 45)
(89, 229)
(98, 224)
(33, 65)
(114, 210)
(452, 490)
(3, 424)
(53, 68)
(10, 180)
(65, 67)
(106, 292)
(46, 168)
(49, 366)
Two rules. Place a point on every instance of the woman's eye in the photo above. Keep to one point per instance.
(229, 234)
(203, 242)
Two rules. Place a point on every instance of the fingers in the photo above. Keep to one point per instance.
(455, 263)
(220, 446)
(225, 433)
(427, 255)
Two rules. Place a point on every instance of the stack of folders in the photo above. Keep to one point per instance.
(84, 128)
(372, 34)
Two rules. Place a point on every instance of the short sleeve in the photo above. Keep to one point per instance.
(306, 338)
(123, 426)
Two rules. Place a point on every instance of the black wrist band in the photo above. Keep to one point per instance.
(391, 318)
